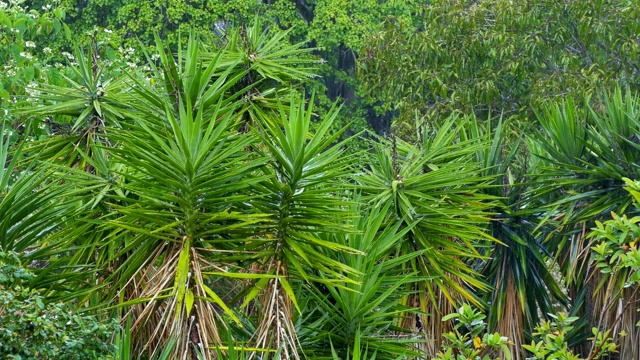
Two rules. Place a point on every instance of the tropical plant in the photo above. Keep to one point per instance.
(361, 317)
(585, 154)
(469, 338)
(517, 264)
(305, 202)
(176, 193)
(434, 187)
(27, 210)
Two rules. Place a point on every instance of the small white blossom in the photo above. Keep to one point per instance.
(108, 31)
(47, 50)
(30, 44)
(26, 55)
(32, 89)
(46, 7)
(68, 56)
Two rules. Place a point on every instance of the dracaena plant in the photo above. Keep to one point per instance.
(361, 317)
(516, 265)
(167, 202)
(434, 186)
(304, 197)
(581, 182)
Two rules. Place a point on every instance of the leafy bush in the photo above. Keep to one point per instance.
(551, 340)
(32, 329)
(469, 338)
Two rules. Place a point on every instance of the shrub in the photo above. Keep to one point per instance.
(32, 329)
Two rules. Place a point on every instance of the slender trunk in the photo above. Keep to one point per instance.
(276, 329)
(630, 344)
(511, 324)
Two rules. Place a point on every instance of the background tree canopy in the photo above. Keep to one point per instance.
(338, 29)
(500, 58)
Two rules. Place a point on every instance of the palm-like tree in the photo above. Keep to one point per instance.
(587, 153)
(304, 198)
(174, 198)
(435, 188)
(516, 265)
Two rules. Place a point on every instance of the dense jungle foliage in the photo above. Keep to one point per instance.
(321, 179)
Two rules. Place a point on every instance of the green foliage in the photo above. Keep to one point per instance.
(350, 23)
(551, 340)
(616, 247)
(434, 184)
(470, 340)
(197, 195)
(500, 57)
(357, 318)
(23, 36)
(579, 183)
(516, 265)
(337, 27)
(32, 329)
(186, 176)
(27, 210)
(583, 173)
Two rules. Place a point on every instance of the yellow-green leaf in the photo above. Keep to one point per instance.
(189, 301)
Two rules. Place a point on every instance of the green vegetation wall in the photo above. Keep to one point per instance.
(496, 57)
(338, 28)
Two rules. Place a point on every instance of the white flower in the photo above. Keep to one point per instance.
(32, 89)
(26, 55)
(46, 7)
(47, 50)
(13, 30)
(30, 44)
(67, 55)
(108, 31)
